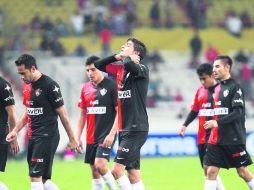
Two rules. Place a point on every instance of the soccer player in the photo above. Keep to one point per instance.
(227, 143)
(98, 104)
(203, 108)
(44, 102)
(7, 123)
(132, 84)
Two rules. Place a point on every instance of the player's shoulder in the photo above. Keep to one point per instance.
(49, 81)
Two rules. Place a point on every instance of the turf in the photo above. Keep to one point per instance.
(171, 173)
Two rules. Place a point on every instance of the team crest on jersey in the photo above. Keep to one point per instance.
(225, 93)
(38, 92)
(103, 91)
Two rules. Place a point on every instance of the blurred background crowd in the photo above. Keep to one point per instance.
(179, 34)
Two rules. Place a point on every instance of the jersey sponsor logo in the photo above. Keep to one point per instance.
(213, 112)
(34, 111)
(239, 101)
(206, 112)
(103, 91)
(56, 89)
(95, 102)
(9, 98)
(38, 92)
(124, 94)
(206, 105)
(225, 93)
(59, 99)
(220, 111)
(96, 110)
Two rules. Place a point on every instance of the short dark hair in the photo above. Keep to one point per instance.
(27, 60)
(205, 68)
(90, 60)
(139, 47)
(225, 59)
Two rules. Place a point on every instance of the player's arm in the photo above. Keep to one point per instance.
(138, 70)
(102, 63)
(12, 122)
(12, 136)
(81, 125)
(191, 116)
(108, 141)
(73, 144)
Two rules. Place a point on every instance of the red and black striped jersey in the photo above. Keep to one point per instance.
(6, 99)
(132, 86)
(100, 103)
(41, 99)
(203, 105)
(229, 98)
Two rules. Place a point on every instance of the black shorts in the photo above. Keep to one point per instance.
(130, 143)
(230, 156)
(96, 151)
(3, 157)
(41, 151)
(201, 152)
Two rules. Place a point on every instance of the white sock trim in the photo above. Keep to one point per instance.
(124, 183)
(138, 186)
(37, 186)
(3, 186)
(49, 185)
(109, 180)
(251, 184)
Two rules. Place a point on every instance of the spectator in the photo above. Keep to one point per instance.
(246, 20)
(80, 51)
(36, 23)
(155, 14)
(105, 37)
(77, 23)
(196, 45)
(241, 57)
(61, 29)
(246, 77)
(56, 47)
(233, 24)
(211, 53)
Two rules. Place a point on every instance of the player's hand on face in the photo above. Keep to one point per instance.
(12, 136)
(210, 124)
(182, 130)
(14, 147)
(119, 56)
(108, 141)
(135, 58)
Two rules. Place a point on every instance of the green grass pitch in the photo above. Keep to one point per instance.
(169, 173)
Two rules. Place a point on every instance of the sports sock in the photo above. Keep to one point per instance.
(251, 184)
(138, 186)
(49, 185)
(210, 184)
(124, 183)
(220, 185)
(3, 186)
(97, 184)
(37, 186)
(109, 180)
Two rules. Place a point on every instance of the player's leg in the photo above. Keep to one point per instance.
(202, 151)
(3, 160)
(3, 186)
(135, 179)
(35, 165)
(97, 181)
(246, 175)
(119, 175)
(101, 161)
(51, 144)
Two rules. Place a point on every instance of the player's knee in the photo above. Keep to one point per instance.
(243, 173)
(101, 167)
(212, 173)
(134, 176)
